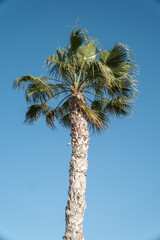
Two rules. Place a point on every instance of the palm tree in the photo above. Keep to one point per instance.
(94, 85)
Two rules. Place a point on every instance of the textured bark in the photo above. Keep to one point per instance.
(76, 204)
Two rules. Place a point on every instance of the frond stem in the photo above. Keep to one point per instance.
(58, 81)
(56, 95)
(63, 100)
(87, 97)
(80, 73)
(95, 94)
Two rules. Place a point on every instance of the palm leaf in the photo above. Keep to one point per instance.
(100, 107)
(91, 114)
(35, 112)
(65, 120)
(50, 119)
(37, 89)
(87, 52)
(123, 87)
(120, 60)
(23, 81)
(59, 66)
(95, 80)
(77, 38)
(119, 106)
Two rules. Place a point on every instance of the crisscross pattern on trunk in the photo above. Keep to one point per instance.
(76, 204)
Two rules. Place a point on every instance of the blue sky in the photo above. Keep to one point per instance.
(123, 185)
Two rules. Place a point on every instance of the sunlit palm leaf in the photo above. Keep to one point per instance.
(119, 60)
(23, 81)
(87, 52)
(37, 89)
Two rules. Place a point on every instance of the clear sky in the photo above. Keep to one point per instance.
(123, 185)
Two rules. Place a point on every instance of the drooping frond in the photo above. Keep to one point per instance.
(50, 119)
(23, 81)
(100, 107)
(38, 89)
(61, 113)
(35, 112)
(123, 87)
(65, 120)
(92, 115)
(119, 106)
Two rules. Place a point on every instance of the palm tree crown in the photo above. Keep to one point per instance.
(103, 82)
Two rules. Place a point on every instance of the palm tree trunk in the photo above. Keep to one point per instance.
(76, 204)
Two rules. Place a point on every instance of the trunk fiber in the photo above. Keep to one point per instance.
(76, 204)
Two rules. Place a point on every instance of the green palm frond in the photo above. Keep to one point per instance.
(50, 118)
(120, 60)
(94, 79)
(77, 38)
(121, 69)
(123, 87)
(107, 74)
(119, 106)
(87, 52)
(91, 114)
(61, 113)
(65, 120)
(37, 89)
(35, 112)
(23, 81)
(100, 106)
(60, 66)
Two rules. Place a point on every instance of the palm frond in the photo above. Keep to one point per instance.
(94, 79)
(120, 60)
(59, 66)
(77, 38)
(123, 87)
(37, 89)
(50, 119)
(38, 92)
(35, 112)
(23, 81)
(119, 106)
(107, 74)
(91, 114)
(61, 113)
(87, 52)
(65, 120)
(100, 106)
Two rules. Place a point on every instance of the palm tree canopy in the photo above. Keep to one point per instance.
(104, 83)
